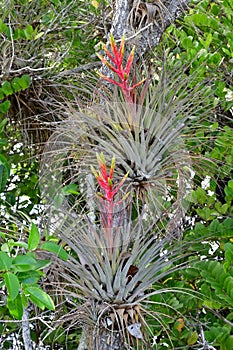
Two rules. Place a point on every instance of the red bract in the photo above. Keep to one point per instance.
(116, 57)
(105, 180)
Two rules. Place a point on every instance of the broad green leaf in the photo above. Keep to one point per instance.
(227, 227)
(7, 88)
(227, 343)
(24, 263)
(5, 261)
(5, 248)
(16, 84)
(187, 42)
(28, 31)
(29, 277)
(12, 284)
(40, 298)
(1, 94)
(192, 339)
(41, 264)
(230, 184)
(201, 195)
(34, 237)
(199, 19)
(206, 213)
(56, 249)
(24, 81)
(15, 307)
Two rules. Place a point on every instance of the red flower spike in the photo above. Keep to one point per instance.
(105, 180)
(116, 57)
(106, 198)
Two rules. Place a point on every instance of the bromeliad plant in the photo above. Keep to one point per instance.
(115, 263)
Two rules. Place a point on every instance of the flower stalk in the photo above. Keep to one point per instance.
(107, 196)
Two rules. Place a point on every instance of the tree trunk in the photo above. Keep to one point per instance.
(108, 340)
(147, 35)
(100, 339)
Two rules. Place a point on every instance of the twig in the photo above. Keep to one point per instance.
(12, 44)
(80, 68)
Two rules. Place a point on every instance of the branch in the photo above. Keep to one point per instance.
(151, 38)
(155, 18)
(26, 330)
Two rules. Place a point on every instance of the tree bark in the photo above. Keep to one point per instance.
(151, 30)
(149, 35)
(100, 339)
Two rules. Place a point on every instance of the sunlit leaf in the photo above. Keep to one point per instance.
(34, 237)
(40, 298)
(12, 284)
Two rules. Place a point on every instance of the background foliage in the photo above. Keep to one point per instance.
(48, 56)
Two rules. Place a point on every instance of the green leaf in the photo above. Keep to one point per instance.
(4, 106)
(228, 248)
(187, 42)
(41, 264)
(15, 307)
(206, 213)
(28, 31)
(2, 124)
(24, 263)
(34, 237)
(228, 343)
(219, 280)
(192, 339)
(6, 88)
(24, 81)
(12, 284)
(29, 277)
(5, 248)
(16, 84)
(40, 298)
(201, 195)
(70, 189)
(38, 35)
(199, 19)
(5, 261)
(4, 172)
(56, 249)
(230, 184)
